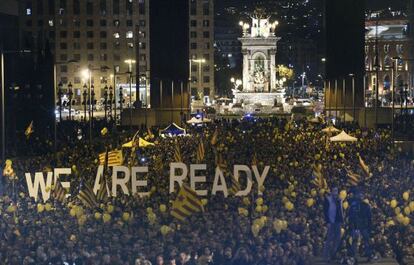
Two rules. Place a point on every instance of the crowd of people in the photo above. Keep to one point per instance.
(287, 225)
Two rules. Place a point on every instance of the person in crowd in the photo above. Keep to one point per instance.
(333, 213)
(360, 224)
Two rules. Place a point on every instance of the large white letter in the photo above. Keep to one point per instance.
(97, 185)
(260, 178)
(177, 178)
(120, 182)
(196, 179)
(138, 183)
(62, 171)
(237, 170)
(39, 180)
(222, 187)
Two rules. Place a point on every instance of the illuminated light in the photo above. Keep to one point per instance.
(85, 73)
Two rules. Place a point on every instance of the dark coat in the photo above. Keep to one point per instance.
(339, 218)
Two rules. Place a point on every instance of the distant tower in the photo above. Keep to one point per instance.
(259, 44)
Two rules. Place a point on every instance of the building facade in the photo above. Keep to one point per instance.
(96, 35)
(388, 57)
(201, 43)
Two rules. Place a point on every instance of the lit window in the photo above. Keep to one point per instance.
(51, 23)
(116, 35)
(28, 11)
(129, 35)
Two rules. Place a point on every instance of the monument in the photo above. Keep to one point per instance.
(260, 88)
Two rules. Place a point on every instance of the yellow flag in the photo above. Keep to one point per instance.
(114, 158)
(29, 130)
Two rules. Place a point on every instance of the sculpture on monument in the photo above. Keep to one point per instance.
(259, 46)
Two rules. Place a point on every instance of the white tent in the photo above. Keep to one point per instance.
(331, 129)
(343, 137)
(194, 120)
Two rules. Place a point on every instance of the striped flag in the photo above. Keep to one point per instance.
(59, 193)
(114, 158)
(158, 165)
(186, 203)
(318, 179)
(177, 154)
(200, 152)
(254, 160)
(87, 197)
(220, 161)
(29, 130)
(364, 167)
(235, 186)
(353, 178)
(102, 194)
(214, 138)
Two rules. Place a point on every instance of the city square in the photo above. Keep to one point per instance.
(200, 132)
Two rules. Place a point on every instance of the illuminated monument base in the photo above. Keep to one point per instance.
(260, 102)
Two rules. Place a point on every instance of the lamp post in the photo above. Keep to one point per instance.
(55, 85)
(93, 101)
(130, 62)
(70, 94)
(121, 99)
(200, 62)
(336, 99)
(84, 102)
(111, 98)
(353, 96)
(106, 102)
(396, 59)
(60, 93)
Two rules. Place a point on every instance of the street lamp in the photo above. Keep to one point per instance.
(394, 85)
(245, 27)
(353, 95)
(200, 62)
(60, 93)
(70, 94)
(130, 62)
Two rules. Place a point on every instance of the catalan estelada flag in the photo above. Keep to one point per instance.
(353, 178)
(234, 186)
(87, 197)
(200, 152)
(186, 203)
(114, 158)
(59, 193)
(177, 154)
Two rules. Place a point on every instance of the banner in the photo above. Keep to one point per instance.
(131, 181)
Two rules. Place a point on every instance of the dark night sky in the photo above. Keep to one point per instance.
(394, 4)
